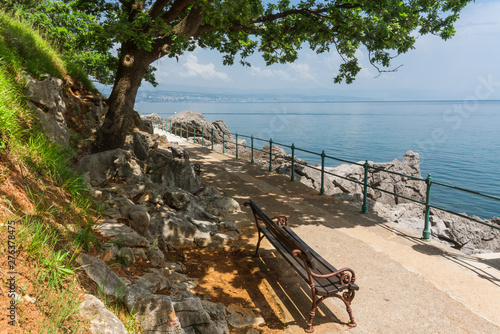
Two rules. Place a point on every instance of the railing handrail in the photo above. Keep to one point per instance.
(429, 181)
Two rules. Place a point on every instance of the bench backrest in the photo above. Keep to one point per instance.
(281, 234)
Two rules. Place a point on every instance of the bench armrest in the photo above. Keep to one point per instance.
(347, 275)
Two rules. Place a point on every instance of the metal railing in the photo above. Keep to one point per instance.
(183, 130)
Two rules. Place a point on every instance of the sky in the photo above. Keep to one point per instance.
(465, 67)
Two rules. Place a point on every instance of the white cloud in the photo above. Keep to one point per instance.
(293, 72)
(207, 71)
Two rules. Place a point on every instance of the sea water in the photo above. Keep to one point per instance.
(458, 141)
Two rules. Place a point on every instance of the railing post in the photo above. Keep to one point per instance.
(175, 129)
(181, 128)
(364, 207)
(322, 189)
(237, 155)
(426, 234)
(252, 161)
(223, 141)
(292, 176)
(194, 133)
(212, 138)
(202, 135)
(271, 155)
(187, 131)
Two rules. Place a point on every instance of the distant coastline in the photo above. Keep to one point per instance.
(216, 95)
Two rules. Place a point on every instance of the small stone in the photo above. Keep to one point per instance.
(241, 317)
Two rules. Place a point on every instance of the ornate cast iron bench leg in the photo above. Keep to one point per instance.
(346, 297)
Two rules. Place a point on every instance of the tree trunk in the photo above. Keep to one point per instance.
(131, 70)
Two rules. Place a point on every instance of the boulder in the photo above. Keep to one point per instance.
(177, 198)
(217, 313)
(156, 257)
(100, 273)
(100, 168)
(196, 120)
(138, 215)
(140, 145)
(155, 312)
(242, 317)
(138, 123)
(173, 173)
(221, 206)
(468, 236)
(191, 312)
(118, 232)
(46, 99)
(178, 231)
(340, 181)
(409, 165)
(102, 320)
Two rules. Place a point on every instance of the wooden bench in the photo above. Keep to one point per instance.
(325, 281)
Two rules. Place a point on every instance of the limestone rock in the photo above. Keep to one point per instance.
(141, 147)
(47, 101)
(197, 120)
(155, 312)
(177, 199)
(156, 257)
(122, 233)
(468, 236)
(242, 317)
(100, 168)
(102, 320)
(174, 173)
(191, 312)
(137, 214)
(217, 313)
(100, 273)
(221, 206)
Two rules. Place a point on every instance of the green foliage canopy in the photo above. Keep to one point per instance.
(276, 29)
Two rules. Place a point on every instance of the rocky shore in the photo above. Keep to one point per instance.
(461, 233)
(155, 204)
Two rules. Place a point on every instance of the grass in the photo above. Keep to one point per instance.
(53, 193)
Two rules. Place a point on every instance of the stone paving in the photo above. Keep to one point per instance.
(406, 285)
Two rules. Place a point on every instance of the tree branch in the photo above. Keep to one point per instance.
(157, 7)
(294, 11)
(176, 9)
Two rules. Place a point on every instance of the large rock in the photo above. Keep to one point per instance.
(468, 236)
(118, 232)
(191, 120)
(137, 214)
(100, 168)
(173, 173)
(100, 273)
(46, 99)
(102, 320)
(179, 231)
(140, 145)
(155, 312)
(377, 177)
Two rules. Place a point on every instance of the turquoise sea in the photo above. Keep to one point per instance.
(458, 141)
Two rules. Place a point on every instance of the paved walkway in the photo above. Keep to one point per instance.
(406, 285)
